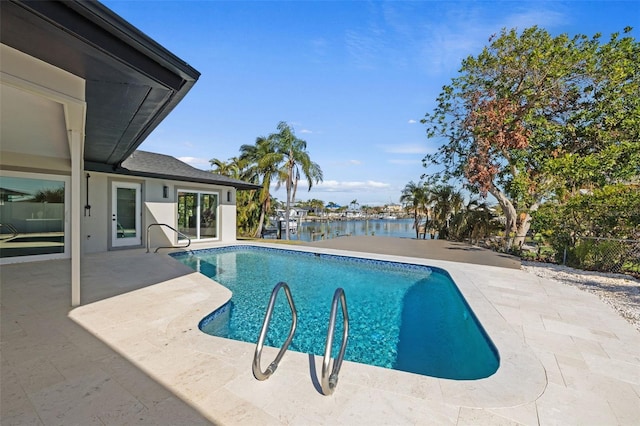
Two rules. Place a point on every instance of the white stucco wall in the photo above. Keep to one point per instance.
(96, 227)
(226, 207)
(96, 221)
(228, 215)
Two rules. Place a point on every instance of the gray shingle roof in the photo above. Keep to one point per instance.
(160, 166)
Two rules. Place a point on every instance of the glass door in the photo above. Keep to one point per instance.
(32, 215)
(125, 214)
(197, 214)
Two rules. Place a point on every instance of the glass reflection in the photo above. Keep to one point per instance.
(31, 216)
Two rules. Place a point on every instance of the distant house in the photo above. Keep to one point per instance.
(354, 214)
(294, 212)
(81, 89)
(394, 208)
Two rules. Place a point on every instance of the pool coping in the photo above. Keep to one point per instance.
(428, 267)
(215, 373)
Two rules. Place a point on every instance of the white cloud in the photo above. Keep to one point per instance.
(341, 186)
(412, 121)
(305, 131)
(367, 192)
(466, 30)
(407, 148)
(200, 163)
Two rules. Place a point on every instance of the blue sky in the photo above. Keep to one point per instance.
(352, 78)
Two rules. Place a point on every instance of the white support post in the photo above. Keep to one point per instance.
(76, 145)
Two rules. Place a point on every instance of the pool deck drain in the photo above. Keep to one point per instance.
(133, 354)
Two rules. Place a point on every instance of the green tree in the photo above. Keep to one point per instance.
(247, 202)
(445, 202)
(229, 168)
(280, 157)
(263, 164)
(316, 205)
(474, 222)
(612, 211)
(49, 196)
(366, 209)
(295, 161)
(533, 115)
(414, 197)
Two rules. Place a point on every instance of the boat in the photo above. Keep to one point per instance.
(293, 225)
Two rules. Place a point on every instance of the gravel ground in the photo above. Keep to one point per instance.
(621, 292)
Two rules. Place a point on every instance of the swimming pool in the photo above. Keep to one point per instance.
(402, 316)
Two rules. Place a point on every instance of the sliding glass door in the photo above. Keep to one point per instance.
(32, 215)
(197, 214)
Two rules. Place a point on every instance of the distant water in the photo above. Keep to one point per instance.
(311, 231)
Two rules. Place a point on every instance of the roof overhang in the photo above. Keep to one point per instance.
(213, 180)
(131, 82)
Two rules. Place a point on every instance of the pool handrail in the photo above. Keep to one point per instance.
(257, 371)
(174, 230)
(11, 229)
(330, 374)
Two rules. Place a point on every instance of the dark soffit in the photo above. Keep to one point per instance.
(132, 82)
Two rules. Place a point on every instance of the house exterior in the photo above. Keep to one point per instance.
(80, 90)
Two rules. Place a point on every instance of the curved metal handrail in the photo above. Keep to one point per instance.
(11, 228)
(174, 230)
(330, 374)
(257, 372)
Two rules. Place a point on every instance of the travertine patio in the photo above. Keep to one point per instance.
(133, 354)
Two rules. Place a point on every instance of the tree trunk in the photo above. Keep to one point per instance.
(522, 230)
(263, 210)
(524, 226)
(286, 213)
(509, 212)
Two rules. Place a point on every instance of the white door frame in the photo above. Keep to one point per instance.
(119, 237)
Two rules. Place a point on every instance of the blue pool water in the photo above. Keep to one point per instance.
(406, 317)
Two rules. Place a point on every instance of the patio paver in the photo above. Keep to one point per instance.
(133, 354)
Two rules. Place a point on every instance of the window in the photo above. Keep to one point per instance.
(32, 215)
(197, 214)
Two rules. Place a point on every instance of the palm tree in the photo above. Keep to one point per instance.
(248, 207)
(293, 152)
(445, 202)
(414, 197)
(313, 204)
(480, 220)
(262, 167)
(226, 168)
